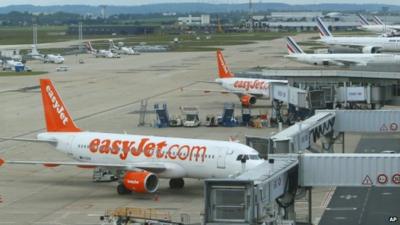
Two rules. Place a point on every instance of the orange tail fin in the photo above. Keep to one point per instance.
(223, 70)
(55, 113)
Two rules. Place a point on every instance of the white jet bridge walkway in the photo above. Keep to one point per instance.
(266, 194)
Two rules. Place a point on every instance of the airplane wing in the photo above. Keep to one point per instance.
(207, 82)
(238, 93)
(217, 91)
(149, 166)
(28, 140)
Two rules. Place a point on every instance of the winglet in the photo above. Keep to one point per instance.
(56, 114)
(292, 46)
(323, 29)
(1, 161)
(223, 70)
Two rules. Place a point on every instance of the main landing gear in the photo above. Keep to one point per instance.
(176, 183)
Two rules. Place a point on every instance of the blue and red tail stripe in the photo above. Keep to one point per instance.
(363, 20)
(292, 46)
(324, 31)
(378, 21)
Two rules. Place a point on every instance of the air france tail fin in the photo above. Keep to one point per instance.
(363, 20)
(223, 70)
(378, 21)
(55, 113)
(293, 47)
(323, 29)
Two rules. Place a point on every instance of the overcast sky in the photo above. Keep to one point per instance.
(140, 2)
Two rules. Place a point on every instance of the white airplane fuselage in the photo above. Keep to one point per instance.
(257, 87)
(104, 54)
(383, 43)
(377, 28)
(57, 59)
(338, 59)
(127, 51)
(183, 158)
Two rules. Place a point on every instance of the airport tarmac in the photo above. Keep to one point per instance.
(101, 95)
(368, 205)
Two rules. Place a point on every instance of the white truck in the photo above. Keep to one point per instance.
(190, 115)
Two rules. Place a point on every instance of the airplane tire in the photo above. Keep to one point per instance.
(121, 189)
(176, 183)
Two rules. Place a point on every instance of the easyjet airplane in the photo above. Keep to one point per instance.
(248, 89)
(137, 161)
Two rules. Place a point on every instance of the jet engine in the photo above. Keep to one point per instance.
(247, 100)
(141, 182)
(370, 49)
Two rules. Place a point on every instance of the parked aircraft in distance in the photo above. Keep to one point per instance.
(102, 53)
(137, 161)
(379, 27)
(348, 59)
(50, 58)
(247, 89)
(120, 49)
(366, 44)
(46, 58)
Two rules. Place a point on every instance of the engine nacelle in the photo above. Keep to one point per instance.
(370, 49)
(141, 182)
(247, 100)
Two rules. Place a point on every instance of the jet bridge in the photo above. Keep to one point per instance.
(298, 137)
(250, 197)
(290, 95)
(266, 194)
(330, 125)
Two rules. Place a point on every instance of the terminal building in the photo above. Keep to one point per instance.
(190, 20)
(272, 23)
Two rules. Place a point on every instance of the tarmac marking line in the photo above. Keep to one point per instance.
(364, 205)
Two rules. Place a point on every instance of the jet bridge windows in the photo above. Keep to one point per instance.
(229, 204)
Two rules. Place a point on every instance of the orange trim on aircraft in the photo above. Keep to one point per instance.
(55, 112)
(50, 165)
(246, 84)
(148, 148)
(223, 70)
(1, 162)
